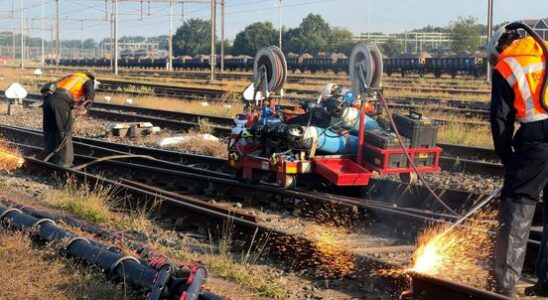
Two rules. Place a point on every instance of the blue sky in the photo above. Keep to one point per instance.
(87, 17)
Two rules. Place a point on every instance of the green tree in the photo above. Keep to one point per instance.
(311, 36)
(392, 47)
(192, 38)
(254, 37)
(341, 40)
(293, 41)
(465, 33)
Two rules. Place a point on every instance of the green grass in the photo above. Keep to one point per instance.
(92, 205)
(97, 205)
(455, 133)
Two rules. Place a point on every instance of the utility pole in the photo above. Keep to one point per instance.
(22, 34)
(212, 59)
(170, 38)
(58, 44)
(115, 26)
(13, 32)
(111, 44)
(13, 46)
(280, 24)
(222, 36)
(489, 33)
(43, 35)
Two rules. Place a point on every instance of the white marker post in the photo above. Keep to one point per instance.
(15, 93)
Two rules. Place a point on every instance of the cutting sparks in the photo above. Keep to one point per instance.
(10, 157)
(330, 254)
(461, 254)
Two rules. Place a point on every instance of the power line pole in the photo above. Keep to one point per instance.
(22, 34)
(489, 33)
(212, 59)
(58, 44)
(280, 24)
(111, 44)
(43, 35)
(170, 38)
(115, 26)
(222, 36)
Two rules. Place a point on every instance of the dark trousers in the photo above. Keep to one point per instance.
(57, 126)
(526, 175)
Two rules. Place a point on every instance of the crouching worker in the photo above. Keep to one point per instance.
(75, 91)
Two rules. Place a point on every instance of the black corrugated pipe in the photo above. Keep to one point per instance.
(143, 250)
(160, 283)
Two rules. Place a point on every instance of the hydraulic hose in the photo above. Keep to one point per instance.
(540, 41)
(408, 156)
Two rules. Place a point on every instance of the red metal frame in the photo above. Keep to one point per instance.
(412, 153)
(341, 171)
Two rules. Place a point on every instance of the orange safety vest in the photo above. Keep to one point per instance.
(74, 85)
(522, 65)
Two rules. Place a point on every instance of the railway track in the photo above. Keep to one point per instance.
(456, 158)
(388, 200)
(475, 109)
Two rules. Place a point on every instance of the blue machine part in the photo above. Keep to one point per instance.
(266, 112)
(348, 96)
(370, 124)
(328, 141)
(270, 120)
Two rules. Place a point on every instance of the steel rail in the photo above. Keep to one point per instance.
(405, 193)
(435, 288)
(383, 208)
(94, 146)
(223, 125)
(455, 289)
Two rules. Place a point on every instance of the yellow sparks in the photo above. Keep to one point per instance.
(10, 157)
(330, 254)
(461, 254)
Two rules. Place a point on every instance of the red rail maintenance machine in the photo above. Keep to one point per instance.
(341, 138)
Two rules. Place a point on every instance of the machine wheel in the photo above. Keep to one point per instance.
(409, 178)
(290, 182)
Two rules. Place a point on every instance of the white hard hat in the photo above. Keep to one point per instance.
(499, 41)
(492, 51)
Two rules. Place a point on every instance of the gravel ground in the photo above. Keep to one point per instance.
(472, 183)
(98, 128)
(300, 287)
(315, 290)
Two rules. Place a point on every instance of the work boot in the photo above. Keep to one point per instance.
(539, 290)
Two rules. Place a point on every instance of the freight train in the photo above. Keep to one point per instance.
(453, 65)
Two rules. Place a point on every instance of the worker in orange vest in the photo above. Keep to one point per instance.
(75, 91)
(517, 96)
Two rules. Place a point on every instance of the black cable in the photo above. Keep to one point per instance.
(411, 162)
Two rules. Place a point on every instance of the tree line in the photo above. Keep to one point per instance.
(313, 35)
